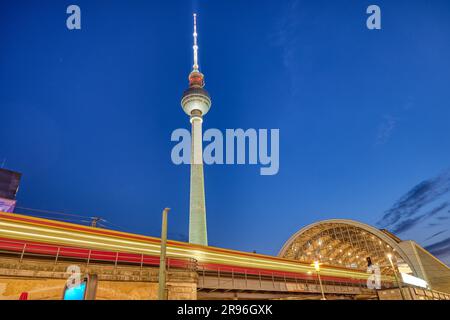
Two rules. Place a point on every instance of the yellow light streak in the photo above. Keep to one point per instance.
(53, 235)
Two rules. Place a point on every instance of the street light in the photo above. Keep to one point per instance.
(162, 258)
(317, 267)
(389, 255)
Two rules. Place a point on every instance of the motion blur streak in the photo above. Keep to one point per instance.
(19, 227)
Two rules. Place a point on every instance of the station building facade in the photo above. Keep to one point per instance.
(349, 244)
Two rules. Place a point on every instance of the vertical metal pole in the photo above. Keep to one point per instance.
(321, 286)
(56, 259)
(94, 221)
(57, 255)
(89, 257)
(203, 268)
(142, 264)
(232, 277)
(246, 281)
(396, 279)
(23, 252)
(162, 261)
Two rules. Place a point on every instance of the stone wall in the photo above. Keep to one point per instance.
(42, 289)
(45, 280)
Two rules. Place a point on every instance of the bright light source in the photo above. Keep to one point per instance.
(317, 266)
(409, 279)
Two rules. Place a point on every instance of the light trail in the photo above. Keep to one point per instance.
(14, 226)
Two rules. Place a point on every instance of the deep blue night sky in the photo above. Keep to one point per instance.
(363, 115)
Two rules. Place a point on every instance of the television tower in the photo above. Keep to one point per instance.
(196, 103)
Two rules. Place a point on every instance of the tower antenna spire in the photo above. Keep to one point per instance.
(196, 103)
(195, 47)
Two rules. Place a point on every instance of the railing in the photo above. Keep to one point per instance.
(23, 249)
(228, 278)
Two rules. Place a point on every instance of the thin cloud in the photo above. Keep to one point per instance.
(433, 224)
(385, 129)
(289, 37)
(427, 200)
(440, 248)
(419, 196)
(435, 235)
(409, 223)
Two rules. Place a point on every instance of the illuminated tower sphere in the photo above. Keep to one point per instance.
(196, 103)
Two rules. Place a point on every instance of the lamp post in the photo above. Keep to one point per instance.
(395, 275)
(317, 267)
(162, 260)
(94, 221)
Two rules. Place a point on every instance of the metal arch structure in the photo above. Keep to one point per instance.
(306, 245)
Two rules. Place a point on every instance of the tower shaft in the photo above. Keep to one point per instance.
(196, 103)
(197, 207)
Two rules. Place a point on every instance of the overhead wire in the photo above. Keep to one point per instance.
(76, 218)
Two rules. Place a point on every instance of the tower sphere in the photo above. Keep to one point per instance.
(196, 100)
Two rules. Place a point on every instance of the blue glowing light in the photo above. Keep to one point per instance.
(75, 293)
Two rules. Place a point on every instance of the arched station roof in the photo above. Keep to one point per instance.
(345, 243)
